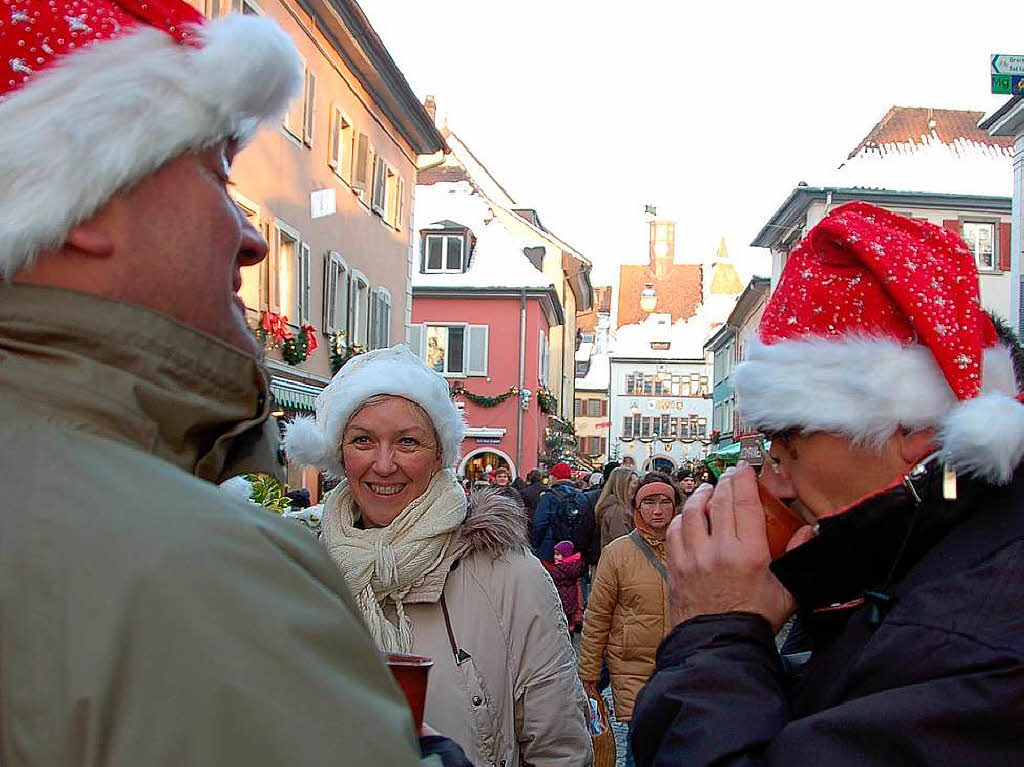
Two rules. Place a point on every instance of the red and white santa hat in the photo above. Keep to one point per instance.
(97, 94)
(876, 325)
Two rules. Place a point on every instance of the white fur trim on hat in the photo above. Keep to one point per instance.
(865, 388)
(107, 116)
(396, 371)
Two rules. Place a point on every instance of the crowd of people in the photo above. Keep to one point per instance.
(148, 617)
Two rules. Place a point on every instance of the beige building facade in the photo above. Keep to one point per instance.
(331, 188)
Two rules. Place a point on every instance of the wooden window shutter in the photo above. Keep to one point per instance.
(310, 111)
(604, 409)
(330, 287)
(362, 162)
(334, 139)
(953, 225)
(578, 407)
(418, 340)
(476, 346)
(1003, 246)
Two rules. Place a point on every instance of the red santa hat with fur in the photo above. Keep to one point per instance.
(97, 94)
(876, 325)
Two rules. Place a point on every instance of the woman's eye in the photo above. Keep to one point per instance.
(360, 440)
(409, 442)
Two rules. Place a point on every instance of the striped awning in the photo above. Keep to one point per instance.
(294, 396)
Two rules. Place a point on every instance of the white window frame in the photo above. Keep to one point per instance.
(238, 6)
(359, 324)
(465, 347)
(362, 154)
(340, 147)
(995, 243)
(444, 253)
(298, 132)
(293, 234)
(335, 268)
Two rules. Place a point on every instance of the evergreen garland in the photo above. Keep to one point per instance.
(547, 401)
(484, 401)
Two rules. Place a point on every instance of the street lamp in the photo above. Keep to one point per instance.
(648, 298)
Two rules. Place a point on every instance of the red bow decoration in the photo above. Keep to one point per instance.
(310, 337)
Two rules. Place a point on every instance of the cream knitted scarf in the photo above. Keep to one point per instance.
(400, 562)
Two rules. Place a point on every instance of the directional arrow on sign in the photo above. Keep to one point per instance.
(1004, 64)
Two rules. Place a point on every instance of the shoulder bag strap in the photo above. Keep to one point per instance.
(649, 553)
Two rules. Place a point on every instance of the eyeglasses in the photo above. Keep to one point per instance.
(784, 435)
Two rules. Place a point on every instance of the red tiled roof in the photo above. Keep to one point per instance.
(440, 174)
(679, 292)
(906, 124)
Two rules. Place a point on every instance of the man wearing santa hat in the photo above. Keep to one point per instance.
(895, 419)
(146, 617)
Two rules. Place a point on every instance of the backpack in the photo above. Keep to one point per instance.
(567, 517)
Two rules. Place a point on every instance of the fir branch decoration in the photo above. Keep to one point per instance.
(547, 401)
(340, 352)
(484, 401)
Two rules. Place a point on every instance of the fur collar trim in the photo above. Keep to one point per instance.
(495, 523)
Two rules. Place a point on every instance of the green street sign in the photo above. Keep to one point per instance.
(1002, 84)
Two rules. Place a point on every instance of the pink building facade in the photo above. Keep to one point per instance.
(502, 330)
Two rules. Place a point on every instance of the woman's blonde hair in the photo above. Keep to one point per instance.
(616, 491)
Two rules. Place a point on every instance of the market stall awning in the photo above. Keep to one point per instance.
(293, 395)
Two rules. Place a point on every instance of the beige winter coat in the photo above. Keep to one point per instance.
(504, 683)
(627, 617)
(146, 617)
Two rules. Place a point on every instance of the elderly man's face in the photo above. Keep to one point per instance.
(176, 243)
(828, 473)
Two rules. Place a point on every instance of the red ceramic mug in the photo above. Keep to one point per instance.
(781, 521)
(411, 671)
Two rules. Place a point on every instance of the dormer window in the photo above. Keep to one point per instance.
(447, 250)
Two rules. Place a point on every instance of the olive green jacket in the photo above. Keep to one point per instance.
(146, 618)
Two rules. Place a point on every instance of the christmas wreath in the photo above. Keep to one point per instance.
(340, 352)
(297, 349)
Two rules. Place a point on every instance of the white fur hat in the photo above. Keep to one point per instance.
(95, 95)
(396, 371)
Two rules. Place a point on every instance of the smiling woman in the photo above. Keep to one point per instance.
(439, 576)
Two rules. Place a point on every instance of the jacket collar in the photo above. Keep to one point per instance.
(874, 543)
(129, 374)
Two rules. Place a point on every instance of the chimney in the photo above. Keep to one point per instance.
(431, 107)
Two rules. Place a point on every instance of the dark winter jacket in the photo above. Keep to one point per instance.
(544, 532)
(914, 611)
(531, 496)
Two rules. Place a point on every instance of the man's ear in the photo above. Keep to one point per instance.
(91, 239)
(915, 445)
